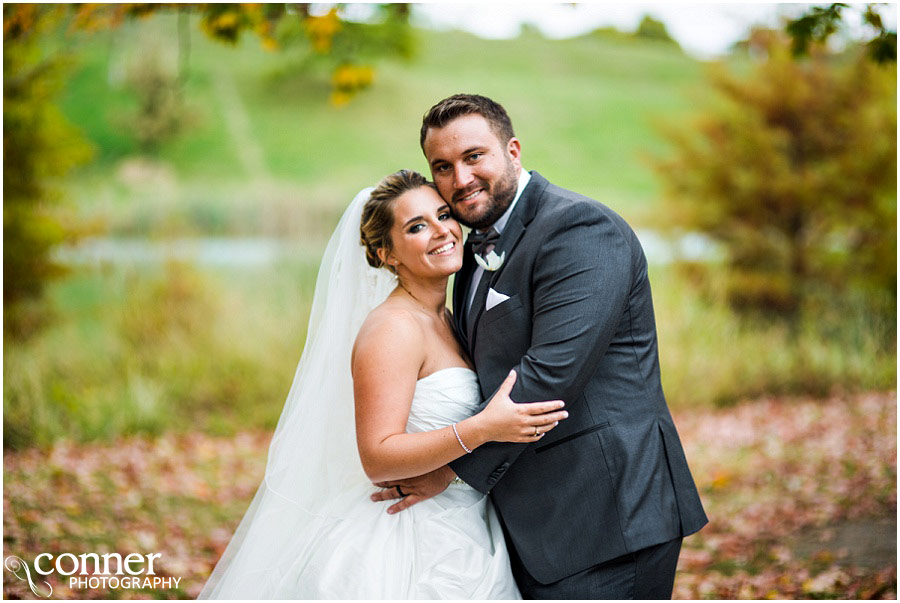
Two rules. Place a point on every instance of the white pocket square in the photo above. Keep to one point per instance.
(493, 299)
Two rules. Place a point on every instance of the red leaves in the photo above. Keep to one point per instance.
(773, 471)
(181, 496)
(785, 483)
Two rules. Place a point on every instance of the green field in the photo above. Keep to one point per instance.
(136, 348)
(583, 108)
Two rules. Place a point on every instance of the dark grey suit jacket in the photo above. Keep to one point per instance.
(578, 325)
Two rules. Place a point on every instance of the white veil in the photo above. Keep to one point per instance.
(313, 458)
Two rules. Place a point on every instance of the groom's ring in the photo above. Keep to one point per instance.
(399, 491)
(536, 431)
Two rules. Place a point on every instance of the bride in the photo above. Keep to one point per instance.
(381, 355)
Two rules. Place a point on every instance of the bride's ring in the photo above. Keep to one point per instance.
(400, 492)
(536, 432)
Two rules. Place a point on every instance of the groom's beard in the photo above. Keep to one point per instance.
(500, 196)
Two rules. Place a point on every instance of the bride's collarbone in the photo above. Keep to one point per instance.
(442, 350)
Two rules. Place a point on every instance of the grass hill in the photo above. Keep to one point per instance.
(584, 109)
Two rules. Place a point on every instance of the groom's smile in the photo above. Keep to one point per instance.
(465, 196)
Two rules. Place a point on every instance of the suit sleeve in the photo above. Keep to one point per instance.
(581, 282)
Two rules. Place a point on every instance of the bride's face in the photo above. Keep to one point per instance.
(427, 241)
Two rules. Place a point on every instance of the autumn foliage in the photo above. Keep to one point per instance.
(794, 170)
(785, 482)
(39, 148)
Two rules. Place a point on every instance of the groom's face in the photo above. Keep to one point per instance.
(476, 173)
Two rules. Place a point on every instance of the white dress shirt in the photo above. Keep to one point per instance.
(499, 225)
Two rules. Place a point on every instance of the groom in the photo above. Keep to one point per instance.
(598, 508)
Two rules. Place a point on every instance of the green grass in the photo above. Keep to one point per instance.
(155, 349)
(583, 108)
(174, 348)
(709, 355)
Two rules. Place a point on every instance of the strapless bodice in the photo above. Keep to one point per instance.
(444, 397)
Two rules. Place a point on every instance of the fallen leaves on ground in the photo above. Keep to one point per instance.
(774, 471)
(770, 473)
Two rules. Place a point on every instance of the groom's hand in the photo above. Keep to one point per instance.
(414, 489)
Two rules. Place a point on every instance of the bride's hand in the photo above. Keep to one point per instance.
(503, 420)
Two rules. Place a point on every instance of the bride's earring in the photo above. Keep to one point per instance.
(386, 259)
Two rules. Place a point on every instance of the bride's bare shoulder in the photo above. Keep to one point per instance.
(392, 331)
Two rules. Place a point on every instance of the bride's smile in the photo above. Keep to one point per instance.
(444, 249)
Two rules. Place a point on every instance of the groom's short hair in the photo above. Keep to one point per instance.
(459, 105)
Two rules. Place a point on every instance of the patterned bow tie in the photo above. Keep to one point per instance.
(483, 242)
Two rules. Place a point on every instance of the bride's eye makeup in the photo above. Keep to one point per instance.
(442, 216)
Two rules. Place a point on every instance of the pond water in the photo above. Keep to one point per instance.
(263, 251)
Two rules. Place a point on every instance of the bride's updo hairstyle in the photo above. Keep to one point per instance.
(378, 213)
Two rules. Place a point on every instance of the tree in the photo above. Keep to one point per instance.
(39, 148)
(795, 174)
(818, 24)
(653, 29)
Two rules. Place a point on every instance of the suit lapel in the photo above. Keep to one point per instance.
(460, 293)
(515, 228)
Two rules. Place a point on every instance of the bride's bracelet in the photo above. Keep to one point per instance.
(459, 439)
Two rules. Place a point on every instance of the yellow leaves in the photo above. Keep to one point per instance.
(264, 29)
(347, 80)
(352, 77)
(339, 99)
(22, 21)
(18, 20)
(721, 479)
(95, 17)
(222, 26)
(225, 22)
(322, 29)
(718, 479)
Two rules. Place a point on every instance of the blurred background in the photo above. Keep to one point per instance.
(172, 174)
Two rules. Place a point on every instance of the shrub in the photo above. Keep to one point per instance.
(794, 171)
(653, 29)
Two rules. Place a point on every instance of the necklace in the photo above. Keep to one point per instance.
(424, 307)
(410, 294)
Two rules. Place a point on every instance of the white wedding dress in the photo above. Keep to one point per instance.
(311, 531)
(447, 547)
